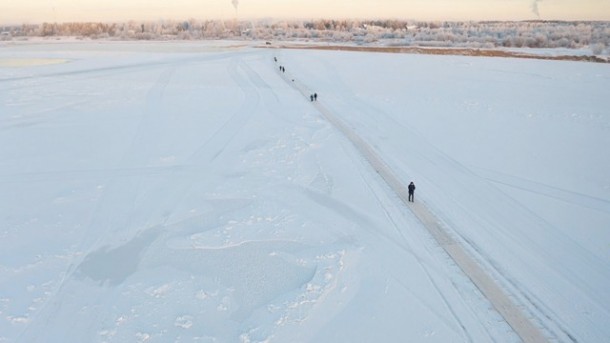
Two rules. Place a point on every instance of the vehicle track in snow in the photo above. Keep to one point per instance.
(530, 186)
(104, 221)
(424, 263)
(532, 247)
(122, 188)
(501, 301)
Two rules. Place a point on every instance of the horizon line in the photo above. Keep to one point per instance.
(110, 21)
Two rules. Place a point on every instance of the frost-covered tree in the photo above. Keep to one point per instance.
(489, 34)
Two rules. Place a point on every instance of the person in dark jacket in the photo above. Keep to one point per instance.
(412, 192)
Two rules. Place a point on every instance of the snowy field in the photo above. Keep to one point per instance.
(180, 192)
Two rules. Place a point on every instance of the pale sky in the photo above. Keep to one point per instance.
(36, 11)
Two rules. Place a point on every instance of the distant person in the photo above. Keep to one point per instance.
(311, 97)
(412, 192)
(315, 96)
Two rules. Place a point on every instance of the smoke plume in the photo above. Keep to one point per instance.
(535, 8)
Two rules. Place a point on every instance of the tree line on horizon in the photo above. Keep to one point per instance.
(475, 34)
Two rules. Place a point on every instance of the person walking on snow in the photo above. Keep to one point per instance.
(412, 192)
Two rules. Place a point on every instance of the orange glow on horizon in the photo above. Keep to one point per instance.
(35, 11)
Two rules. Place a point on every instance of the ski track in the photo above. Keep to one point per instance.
(104, 221)
(124, 185)
(443, 199)
(430, 154)
(34, 118)
(424, 266)
(105, 71)
(546, 190)
(503, 304)
(403, 244)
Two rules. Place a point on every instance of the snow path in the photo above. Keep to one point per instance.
(172, 197)
(501, 301)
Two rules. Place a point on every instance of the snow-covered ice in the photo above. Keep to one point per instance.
(155, 192)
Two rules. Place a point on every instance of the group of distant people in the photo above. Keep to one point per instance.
(314, 97)
(282, 69)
